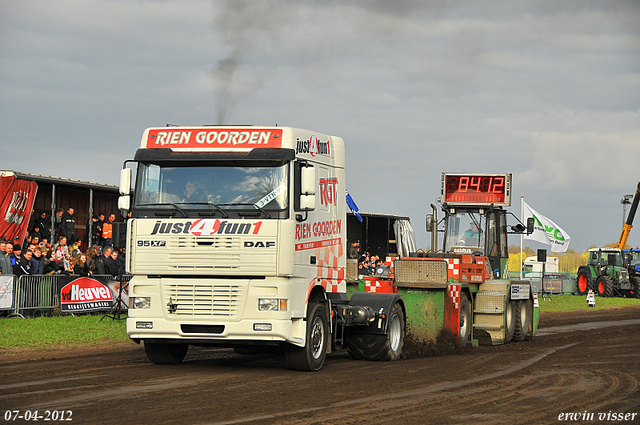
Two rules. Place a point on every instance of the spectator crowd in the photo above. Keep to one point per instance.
(367, 263)
(36, 255)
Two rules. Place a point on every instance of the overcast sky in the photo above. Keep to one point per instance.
(546, 90)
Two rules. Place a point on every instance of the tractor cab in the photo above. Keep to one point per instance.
(475, 222)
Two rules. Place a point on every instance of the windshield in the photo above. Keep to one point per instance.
(465, 233)
(635, 258)
(263, 187)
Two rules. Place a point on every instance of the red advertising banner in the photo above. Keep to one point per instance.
(227, 138)
(85, 294)
(17, 197)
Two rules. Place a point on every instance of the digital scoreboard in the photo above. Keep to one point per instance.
(476, 189)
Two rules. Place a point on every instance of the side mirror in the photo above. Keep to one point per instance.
(308, 188)
(429, 223)
(308, 180)
(124, 202)
(531, 222)
(125, 181)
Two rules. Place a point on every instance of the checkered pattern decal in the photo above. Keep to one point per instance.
(454, 293)
(332, 276)
(372, 286)
(453, 271)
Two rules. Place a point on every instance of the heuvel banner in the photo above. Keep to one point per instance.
(17, 202)
(86, 294)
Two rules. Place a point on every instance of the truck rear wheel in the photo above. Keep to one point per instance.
(635, 286)
(509, 320)
(465, 321)
(311, 356)
(523, 313)
(584, 283)
(605, 286)
(381, 348)
(161, 353)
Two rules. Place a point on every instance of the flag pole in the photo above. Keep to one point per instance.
(521, 236)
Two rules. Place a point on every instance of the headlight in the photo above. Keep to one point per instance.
(141, 302)
(272, 304)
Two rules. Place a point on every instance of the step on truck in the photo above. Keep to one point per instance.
(236, 238)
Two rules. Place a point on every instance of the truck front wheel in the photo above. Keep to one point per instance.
(380, 348)
(311, 356)
(161, 353)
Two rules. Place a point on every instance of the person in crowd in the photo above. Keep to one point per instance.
(57, 223)
(26, 242)
(50, 263)
(36, 232)
(5, 261)
(61, 248)
(98, 228)
(92, 228)
(15, 256)
(23, 265)
(107, 230)
(354, 250)
(43, 225)
(91, 259)
(44, 243)
(111, 263)
(37, 261)
(76, 248)
(101, 267)
(68, 226)
(80, 266)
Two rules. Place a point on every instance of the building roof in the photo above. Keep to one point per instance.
(40, 178)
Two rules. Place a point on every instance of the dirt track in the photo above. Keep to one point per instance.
(562, 371)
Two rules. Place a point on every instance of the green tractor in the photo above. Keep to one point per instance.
(605, 274)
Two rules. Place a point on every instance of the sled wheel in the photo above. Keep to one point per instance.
(465, 321)
(509, 320)
(635, 286)
(524, 314)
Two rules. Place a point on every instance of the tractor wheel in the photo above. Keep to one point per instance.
(162, 353)
(509, 320)
(311, 356)
(381, 348)
(465, 321)
(605, 286)
(524, 314)
(584, 282)
(635, 286)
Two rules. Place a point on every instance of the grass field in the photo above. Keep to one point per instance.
(44, 332)
(559, 303)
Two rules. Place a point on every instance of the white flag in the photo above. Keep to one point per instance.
(546, 231)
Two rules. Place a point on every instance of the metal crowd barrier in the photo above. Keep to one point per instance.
(41, 292)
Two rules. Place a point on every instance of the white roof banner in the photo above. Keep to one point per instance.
(546, 231)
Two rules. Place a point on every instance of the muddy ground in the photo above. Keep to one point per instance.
(569, 368)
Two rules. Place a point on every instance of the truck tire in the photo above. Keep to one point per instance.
(584, 282)
(465, 321)
(380, 348)
(161, 353)
(605, 286)
(311, 357)
(509, 320)
(524, 314)
(635, 286)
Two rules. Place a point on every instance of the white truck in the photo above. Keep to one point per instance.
(531, 264)
(236, 238)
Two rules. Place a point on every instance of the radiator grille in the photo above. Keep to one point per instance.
(184, 299)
